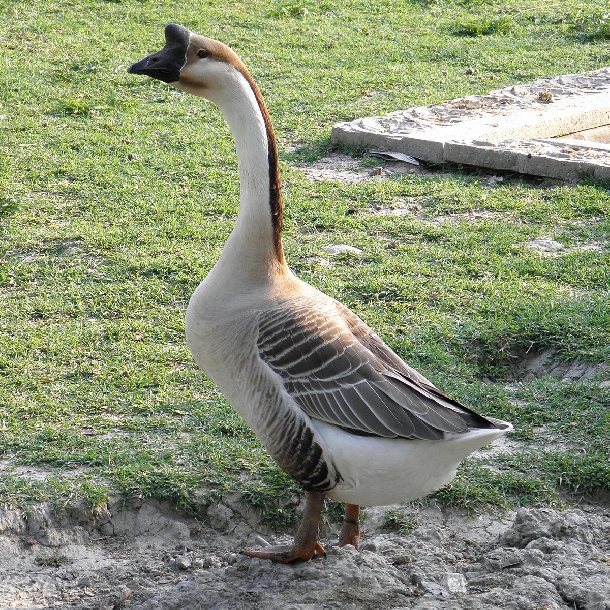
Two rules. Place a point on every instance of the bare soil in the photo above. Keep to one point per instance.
(344, 168)
(147, 556)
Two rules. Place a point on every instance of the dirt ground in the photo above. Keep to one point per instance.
(147, 556)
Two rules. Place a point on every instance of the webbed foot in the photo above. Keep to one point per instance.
(306, 545)
(285, 553)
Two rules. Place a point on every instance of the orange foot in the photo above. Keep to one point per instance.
(306, 545)
(287, 554)
(350, 532)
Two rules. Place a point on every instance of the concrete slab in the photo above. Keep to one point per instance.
(520, 128)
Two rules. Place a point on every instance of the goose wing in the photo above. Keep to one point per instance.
(338, 370)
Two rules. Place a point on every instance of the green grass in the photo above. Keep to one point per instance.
(400, 521)
(117, 194)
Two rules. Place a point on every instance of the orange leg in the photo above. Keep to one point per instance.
(350, 532)
(306, 545)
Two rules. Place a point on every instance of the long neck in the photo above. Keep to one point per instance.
(256, 242)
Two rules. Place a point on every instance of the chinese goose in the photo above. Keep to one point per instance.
(335, 407)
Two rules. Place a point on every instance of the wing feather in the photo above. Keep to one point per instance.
(338, 370)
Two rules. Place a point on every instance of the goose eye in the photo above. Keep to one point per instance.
(202, 53)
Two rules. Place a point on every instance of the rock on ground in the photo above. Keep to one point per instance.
(147, 557)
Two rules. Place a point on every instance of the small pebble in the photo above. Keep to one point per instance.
(208, 562)
(116, 599)
(184, 563)
(335, 249)
(454, 582)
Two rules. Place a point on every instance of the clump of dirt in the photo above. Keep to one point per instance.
(549, 247)
(539, 363)
(148, 557)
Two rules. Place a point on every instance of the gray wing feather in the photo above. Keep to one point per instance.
(339, 371)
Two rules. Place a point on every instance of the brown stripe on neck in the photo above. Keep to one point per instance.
(276, 202)
(222, 52)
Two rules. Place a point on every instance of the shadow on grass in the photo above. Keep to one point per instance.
(7, 206)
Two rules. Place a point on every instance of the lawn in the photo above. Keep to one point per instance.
(118, 192)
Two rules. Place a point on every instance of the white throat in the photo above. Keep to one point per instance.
(251, 248)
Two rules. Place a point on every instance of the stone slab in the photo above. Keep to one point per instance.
(523, 128)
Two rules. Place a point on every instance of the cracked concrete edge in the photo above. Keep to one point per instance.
(509, 129)
(550, 160)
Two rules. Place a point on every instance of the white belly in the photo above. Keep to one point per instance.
(378, 471)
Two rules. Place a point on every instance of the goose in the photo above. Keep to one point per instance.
(334, 406)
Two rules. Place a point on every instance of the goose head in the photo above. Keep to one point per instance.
(193, 64)
(210, 69)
